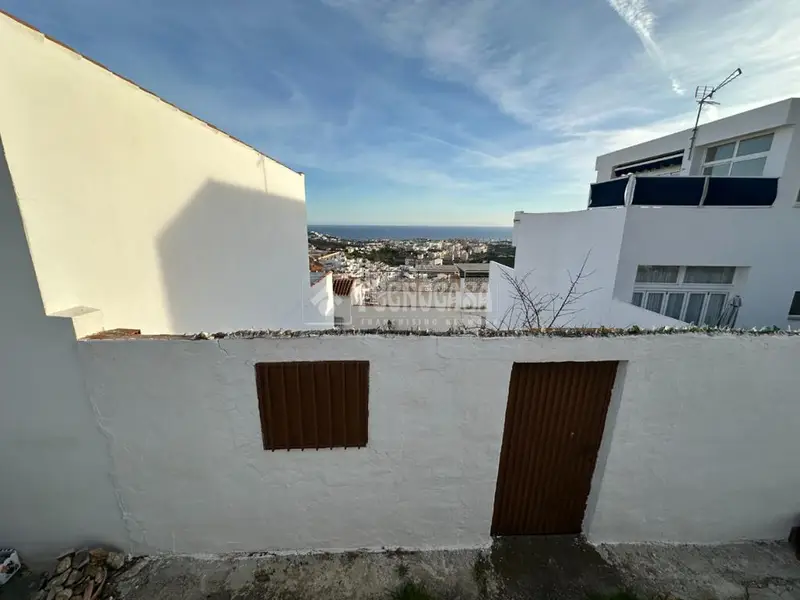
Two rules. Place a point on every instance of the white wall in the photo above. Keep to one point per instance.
(139, 210)
(318, 311)
(342, 308)
(759, 238)
(699, 443)
(551, 246)
(500, 313)
(57, 488)
(625, 316)
(703, 449)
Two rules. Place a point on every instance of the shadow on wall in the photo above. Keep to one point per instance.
(56, 465)
(235, 258)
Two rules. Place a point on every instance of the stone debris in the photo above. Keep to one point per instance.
(570, 332)
(64, 564)
(115, 560)
(80, 574)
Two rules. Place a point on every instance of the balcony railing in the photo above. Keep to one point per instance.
(684, 191)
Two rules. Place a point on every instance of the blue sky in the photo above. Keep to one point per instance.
(438, 111)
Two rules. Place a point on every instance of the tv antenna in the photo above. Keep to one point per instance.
(704, 94)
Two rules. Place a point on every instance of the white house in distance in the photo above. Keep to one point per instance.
(348, 292)
(139, 215)
(441, 298)
(673, 238)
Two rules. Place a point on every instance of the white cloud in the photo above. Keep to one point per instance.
(640, 18)
(575, 90)
(527, 94)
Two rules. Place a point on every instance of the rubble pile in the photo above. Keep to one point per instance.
(80, 574)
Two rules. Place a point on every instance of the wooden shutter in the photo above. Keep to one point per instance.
(316, 405)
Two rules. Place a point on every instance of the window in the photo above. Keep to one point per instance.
(694, 294)
(654, 301)
(709, 275)
(656, 274)
(694, 308)
(674, 305)
(321, 404)
(743, 158)
(794, 309)
(716, 302)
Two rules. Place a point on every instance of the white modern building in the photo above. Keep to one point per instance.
(348, 292)
(675, 236)
(140, 215)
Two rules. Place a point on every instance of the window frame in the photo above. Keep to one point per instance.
(665, 293)
(735, 157)
(644, 290)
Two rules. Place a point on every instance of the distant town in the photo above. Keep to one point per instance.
(406, 258)
(379, 262)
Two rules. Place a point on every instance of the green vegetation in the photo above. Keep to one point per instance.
(329, 245)
(499, 252)
(410, 590)
(385, 254)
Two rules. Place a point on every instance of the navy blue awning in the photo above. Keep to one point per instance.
(686, 191)
(608, 193)
(668, 191)
(741, 191)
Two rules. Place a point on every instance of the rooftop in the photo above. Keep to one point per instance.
(473, 269)
(343, 286)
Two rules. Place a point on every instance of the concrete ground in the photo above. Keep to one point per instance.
(514, 569)
(555, 567)
(752, 571)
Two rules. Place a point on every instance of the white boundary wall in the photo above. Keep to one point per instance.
(700, 444)
(55, 461)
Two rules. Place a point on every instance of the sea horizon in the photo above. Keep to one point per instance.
(411, 232)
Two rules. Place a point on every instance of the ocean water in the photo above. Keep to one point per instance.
(411, 232)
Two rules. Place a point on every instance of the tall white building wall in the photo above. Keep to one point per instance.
(139, 210)
(57, 486)
(552, 247)
(757, 240)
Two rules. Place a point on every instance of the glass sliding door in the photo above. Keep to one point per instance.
(654, 301)
(694, 308)
(674, 305)
(716, 302)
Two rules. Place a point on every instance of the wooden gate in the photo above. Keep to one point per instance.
(555, 417)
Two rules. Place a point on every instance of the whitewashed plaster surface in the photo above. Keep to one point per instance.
(550, 251)
(699, 443)
(55, 469)
(140, 211)
(757, 239)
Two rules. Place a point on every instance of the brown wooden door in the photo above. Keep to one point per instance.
(555, 417)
